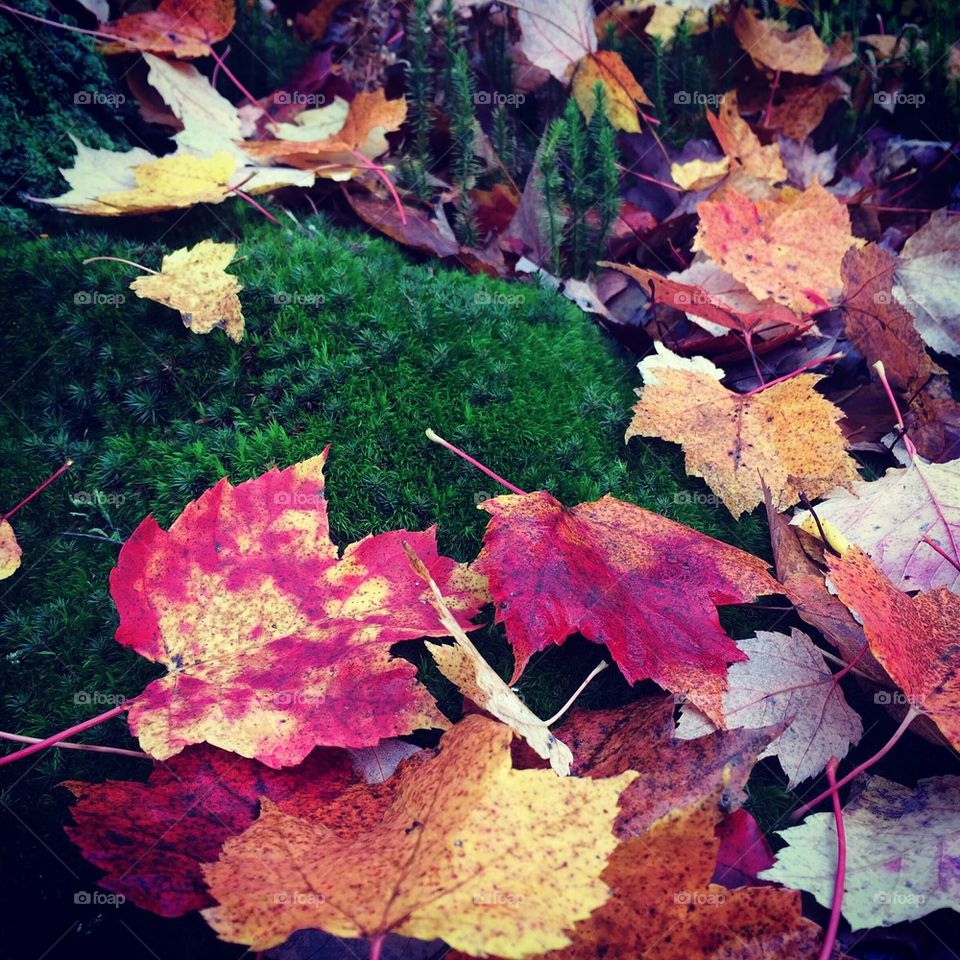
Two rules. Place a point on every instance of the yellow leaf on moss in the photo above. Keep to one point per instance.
(623, 92)
(196, 283)
(488, 858)
(786, 435)
(10, 551)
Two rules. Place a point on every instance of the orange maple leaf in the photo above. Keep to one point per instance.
(185, 28)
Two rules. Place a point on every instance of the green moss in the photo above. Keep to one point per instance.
(53, 86)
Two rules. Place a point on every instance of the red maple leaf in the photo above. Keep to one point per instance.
(618, 574)
(273, 643)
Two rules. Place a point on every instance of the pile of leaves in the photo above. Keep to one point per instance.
(280, 797)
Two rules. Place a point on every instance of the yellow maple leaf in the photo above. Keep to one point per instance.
(786, 435)
(194, 282)
(699, 174)
(488, 858)
(769, 43)
(742, 145)
(789, 247)
(623, 92)
(10, 551)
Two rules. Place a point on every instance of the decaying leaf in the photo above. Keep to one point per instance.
(895, 519)
(901, 853)
(490, 859)
(463, 666)
(928, 281)
(184, 28)
(765, 41)
(786, 435)
(10, 551)
(196, 283)
(742, 146)
(913, 638)
(699, 174)
(617, 574)
(151, 837)
(789, 248)
(673, 773)
(623, 92)
(556, 34)
(876, 324)
(273, 643)
(785, 680)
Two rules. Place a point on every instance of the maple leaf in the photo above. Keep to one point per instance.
(896, 518)
(789, 248)
(10, 551)
(803, 108)
(928, 277)
(556, 34)
(786, 434)
(665, 907)
(273, 644)
(876, 324)
(464, 841)
(699, 174)
(623, 92)
(151, 837)
(463, 666)
(185, 28)
(742, 145)
(108, 183)
(317, 141)
(618, 574)
(901, 853)
(673, 773)
(797, 51)
(913, 638)
(700, 302)
(194, 282)
(785, 679)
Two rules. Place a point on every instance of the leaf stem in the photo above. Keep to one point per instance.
(907, 442)
(63, 734)
(70, 745)
(67, 465)
(911, 715)
(131, 263)
(943, 553)
(476, 463)
(838, 884)
(376, 947)
(795, 373)
(382, 174)
(602, 665)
